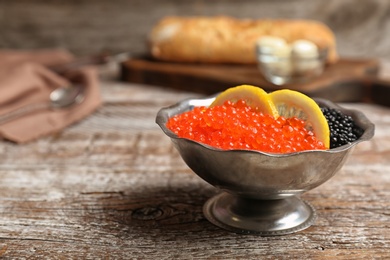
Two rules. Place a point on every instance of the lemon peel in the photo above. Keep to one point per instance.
(254, 97)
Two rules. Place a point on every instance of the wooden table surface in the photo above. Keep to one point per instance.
(113, 187)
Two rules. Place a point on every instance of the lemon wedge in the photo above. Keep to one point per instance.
(254, 97)
(290, 103)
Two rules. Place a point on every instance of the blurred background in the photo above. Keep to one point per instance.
(87, 27)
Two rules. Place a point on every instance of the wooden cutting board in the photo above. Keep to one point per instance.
(348, 80)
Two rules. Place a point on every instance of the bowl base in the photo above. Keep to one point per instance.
(261, 217)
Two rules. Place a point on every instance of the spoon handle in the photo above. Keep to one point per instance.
(22, 111)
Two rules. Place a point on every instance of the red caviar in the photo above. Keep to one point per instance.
(238, 126)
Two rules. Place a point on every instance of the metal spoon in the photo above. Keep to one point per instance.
(66, 96)
(59, 98)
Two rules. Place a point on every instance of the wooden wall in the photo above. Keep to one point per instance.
(85, 27)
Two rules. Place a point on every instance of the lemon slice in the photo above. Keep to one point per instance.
(290, 103)
(254, 97)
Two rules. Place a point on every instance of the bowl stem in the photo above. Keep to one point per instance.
(261, 217)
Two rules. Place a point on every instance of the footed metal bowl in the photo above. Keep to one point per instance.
(260, 191)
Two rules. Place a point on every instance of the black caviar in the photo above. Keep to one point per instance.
(343, 129)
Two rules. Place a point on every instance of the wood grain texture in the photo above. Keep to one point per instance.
(113, 187)
(87, 27)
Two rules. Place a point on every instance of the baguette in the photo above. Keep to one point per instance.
(224, 39)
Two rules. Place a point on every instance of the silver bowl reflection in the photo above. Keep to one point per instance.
(260, 191)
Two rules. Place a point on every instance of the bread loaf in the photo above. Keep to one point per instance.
(228, 40)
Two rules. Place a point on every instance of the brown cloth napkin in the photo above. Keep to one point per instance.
(26, 79)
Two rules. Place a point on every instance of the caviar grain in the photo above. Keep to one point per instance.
(238, 126)
(342, 128)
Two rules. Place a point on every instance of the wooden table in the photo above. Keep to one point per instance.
(113, 187)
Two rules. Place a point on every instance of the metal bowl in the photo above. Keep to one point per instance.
(260, 191)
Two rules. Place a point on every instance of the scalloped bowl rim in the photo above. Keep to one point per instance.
(162, 117)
